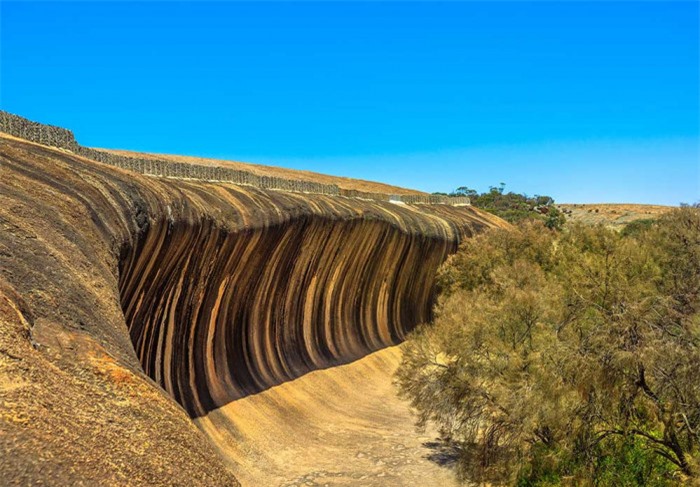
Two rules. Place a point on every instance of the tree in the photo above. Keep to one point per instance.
(514, 207)
(566, 356)
(464, 191)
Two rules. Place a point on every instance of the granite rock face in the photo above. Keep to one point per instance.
(124, 297)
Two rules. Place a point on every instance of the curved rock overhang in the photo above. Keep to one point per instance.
(216, 315)
(217, 291)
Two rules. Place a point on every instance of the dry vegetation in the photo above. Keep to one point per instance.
(612, 215)
(567, 357)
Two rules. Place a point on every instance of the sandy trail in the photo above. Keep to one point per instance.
(339, 426)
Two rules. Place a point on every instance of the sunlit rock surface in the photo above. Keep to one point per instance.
(341, 426)
(217, 292)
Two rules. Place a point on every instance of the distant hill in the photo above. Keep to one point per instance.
(615, 215)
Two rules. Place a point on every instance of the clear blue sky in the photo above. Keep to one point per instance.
(586, 102)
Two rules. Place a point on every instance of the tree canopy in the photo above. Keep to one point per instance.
(566, 357)
(514, 207)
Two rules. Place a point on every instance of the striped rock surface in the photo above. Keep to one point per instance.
(115, 287)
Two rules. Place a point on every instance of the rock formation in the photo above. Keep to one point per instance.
(219, 171)
(216, 291)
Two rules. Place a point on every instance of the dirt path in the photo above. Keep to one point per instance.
(339, 426)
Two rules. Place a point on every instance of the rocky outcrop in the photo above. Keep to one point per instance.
(215, 291)
(217, 314)
(58, 137)
(343, 426)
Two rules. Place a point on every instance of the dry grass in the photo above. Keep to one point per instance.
(615, 215)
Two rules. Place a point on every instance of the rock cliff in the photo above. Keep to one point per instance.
(120, 293)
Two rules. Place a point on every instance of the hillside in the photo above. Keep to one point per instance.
(611, 214)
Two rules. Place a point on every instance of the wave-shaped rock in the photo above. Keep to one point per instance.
(216, 314)
(216, 291)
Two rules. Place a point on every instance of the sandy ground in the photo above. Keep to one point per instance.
(339, 426)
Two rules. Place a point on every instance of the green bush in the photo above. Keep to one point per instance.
(566, 358)
(637, 227)
(514, 207)
(628, 462)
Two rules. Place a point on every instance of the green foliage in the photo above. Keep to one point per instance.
(628, 462)
(619, 462)
(566, 357)
(514, 207)
(637, 227)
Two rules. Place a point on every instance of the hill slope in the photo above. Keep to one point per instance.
(611, 214)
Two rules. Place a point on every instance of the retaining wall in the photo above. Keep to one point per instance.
(62, 138)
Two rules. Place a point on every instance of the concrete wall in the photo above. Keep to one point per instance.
(64, 139)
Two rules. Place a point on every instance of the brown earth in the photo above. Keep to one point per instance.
(130, 305)
(615, 215)
(263, 170)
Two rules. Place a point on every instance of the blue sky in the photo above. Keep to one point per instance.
(587, 102)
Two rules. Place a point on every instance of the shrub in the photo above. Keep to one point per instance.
(514, 207)
(566, 357)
